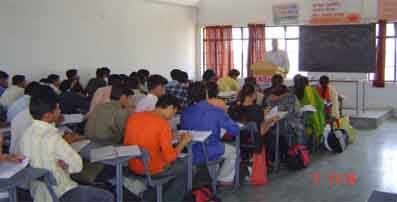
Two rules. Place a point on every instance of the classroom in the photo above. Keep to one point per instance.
(198, 100)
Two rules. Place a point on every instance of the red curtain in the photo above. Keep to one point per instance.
(218, 49)
(380, 56)
(256, 45)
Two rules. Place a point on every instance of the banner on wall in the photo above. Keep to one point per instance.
(284, 14)
(328, 12)
(387, 10)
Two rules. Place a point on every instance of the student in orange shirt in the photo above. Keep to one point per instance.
(152, 131)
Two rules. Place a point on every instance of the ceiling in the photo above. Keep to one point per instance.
(181, 2)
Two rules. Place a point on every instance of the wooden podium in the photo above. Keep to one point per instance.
(264, 71)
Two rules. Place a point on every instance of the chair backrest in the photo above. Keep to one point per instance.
(145, 158)
(252, 128)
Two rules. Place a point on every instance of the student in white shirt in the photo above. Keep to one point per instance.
(277, 56)
(43, 144)
(23, 102)
(13, 92)
(156, 87)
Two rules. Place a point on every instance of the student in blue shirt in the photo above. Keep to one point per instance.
(202, 116)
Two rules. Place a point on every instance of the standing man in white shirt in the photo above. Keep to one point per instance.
(156, 86)
(277, 56)
(43, 144)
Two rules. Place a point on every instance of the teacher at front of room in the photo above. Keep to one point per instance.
(277, 56)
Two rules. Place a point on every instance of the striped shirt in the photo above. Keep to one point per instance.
(44, 146)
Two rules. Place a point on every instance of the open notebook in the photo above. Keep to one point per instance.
(72, 118)
(9, 169)
(274, 112)
(198, 136)
(78, 146)
(112, 152)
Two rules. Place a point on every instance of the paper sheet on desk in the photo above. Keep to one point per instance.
(112, 152)
(274, 112)
(308, 108)
(78, 146)
(9, 169)
(198, 136)
(72, 118)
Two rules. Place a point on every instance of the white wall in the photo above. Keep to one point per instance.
(242, 12)
(42, 36)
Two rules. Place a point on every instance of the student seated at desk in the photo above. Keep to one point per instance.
(54, 83)
(277, 91)
(43, 144)
(307, 95)
(23, 102)
(105, 125)
(329, 95)
(202, 116)
(156, 86)
(213, 91)
(230, 82)
(209, 76)
(178, 87)
(72, 100)
(74, 78)
(246, 110)
(152, 131)
(98, 82)
(259, 95)
(14, 92)
(23, 120)
(102, 95)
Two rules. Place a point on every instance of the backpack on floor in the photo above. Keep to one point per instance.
(336, 140)
(298, 157)
(203, 194)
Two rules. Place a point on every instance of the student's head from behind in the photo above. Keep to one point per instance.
(105, 72)
(72, 74)
(120, 94)
(250, 80)
(277, 80)
(275, 44)
(212, 89)
(247, 94)
(32, 88)
(44, 105)
(324, 81)
(197, 92)
(69, 86)
(167, 106)
(19, 80)
(54, 79)
(143, 75)
(234, 74)
(133, 83)
(156, 85)
(175, 74)
(114, 80)
(209, 75)
(4, 77)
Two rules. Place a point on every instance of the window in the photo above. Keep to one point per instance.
(288, 37)
(391, 53)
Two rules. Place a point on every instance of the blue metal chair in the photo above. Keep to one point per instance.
(149, 181)
(252, 128)
(28, 175)
(212, 166)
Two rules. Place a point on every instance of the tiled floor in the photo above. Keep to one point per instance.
(373, 158)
